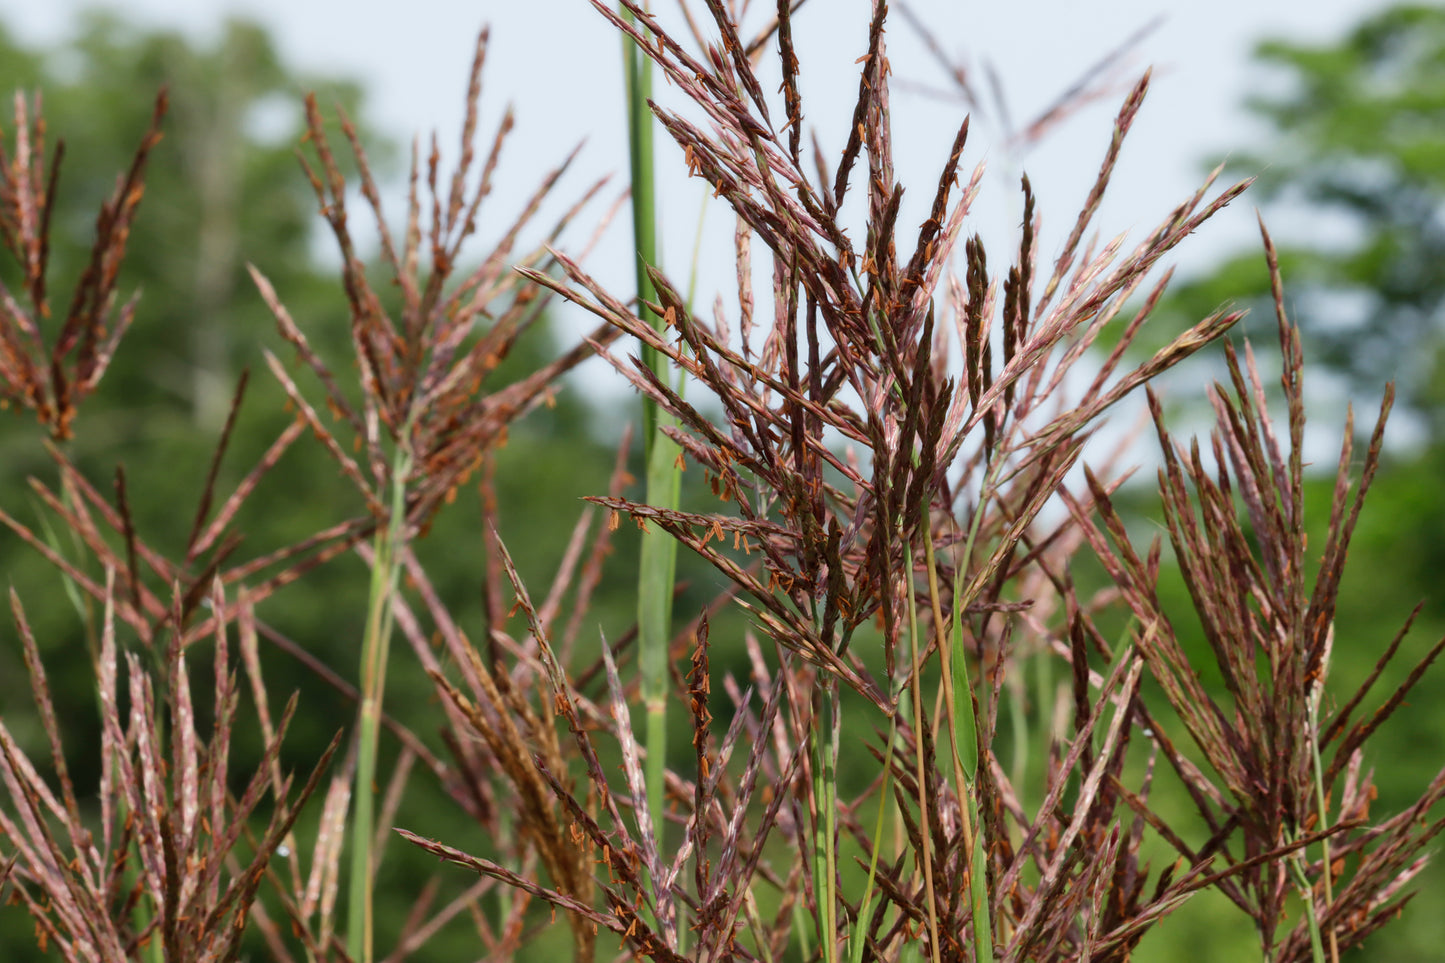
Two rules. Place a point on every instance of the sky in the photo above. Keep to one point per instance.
(558, 63)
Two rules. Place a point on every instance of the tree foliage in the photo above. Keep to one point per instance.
(1352, 175)
(1356, 155)
(224, 189)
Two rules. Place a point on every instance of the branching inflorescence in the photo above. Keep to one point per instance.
(895, 435)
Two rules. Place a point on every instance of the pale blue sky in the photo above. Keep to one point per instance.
(558, 61)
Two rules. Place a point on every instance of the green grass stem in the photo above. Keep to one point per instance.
(964, 738)
(658, 561)
(388, 548)
(858, 938)
(920, 723)
(825, 797)
(1323, 808)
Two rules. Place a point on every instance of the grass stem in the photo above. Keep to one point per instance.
(825, 795)
(964, 742)
(920, 725)
(385, 570)
(1322, 805)
(658, 560)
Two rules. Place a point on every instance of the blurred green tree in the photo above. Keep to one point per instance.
(224, 189)
(1352, 183)
(1356, 155)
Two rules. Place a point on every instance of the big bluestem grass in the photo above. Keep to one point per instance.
(657, 565)
(883, 430)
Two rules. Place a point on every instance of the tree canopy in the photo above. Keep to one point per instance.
(1352, 178)
(224, 189)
